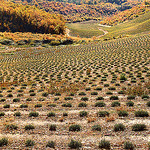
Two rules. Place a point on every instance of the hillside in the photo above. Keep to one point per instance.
(69, 81)
(25, 18)
(86, 93)
(135, 26)
(75, 11)
(123, 16)
(89, 29)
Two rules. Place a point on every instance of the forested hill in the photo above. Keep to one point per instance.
(25, 18)
(81, 10)
(80, 2)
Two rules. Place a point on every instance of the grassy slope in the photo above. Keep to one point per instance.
(138, 25)
(86, 30)
(89, 29)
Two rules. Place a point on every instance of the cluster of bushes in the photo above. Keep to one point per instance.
(51, 42)
(76, 127)
(73, 144)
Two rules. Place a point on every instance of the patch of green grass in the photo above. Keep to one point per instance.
(84, 30)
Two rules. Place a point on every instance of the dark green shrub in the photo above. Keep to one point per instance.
(98, 89)
(99, 98)
(11, 127)
(24, 84)
(75, 144)
(83, 113)
(145, 96)
(51, 105)
(34, 84)
(3, 100)
(82, 104)
(121, 92)
(38, 105)
(51, 114)
(100, 104)
(114, 98)
(119, 127)
(16, 100)
(106, 85)
(33, 114)
(88, 89)
(29, 143)
(115, 104)
(29, 99)
(3, 142)
(20, 91)
(128, 145)
(29, 127)
(68, 98)
(23, 106)
(96, 128)
(104, 144)
(6, 106)
(82, 93)
(123, 77)
(84, 99)
(112, 88)
(75, 127)
(130, 103)
(148, 145)
(141, 113)
(117, 84)
(9, 95)
(56, 98)
(122, 113)
(31, 91)
(2, 114)
(32, 94)
(52, 127)
(57, 94)
(148, 104)
(17, 114)
(67, 105)
(131, 97)
(45, 94)
(50, 144)
(109, 93)
(94, 93)
(102, 114)
(138, 127)
(65, 114)
(71, 94)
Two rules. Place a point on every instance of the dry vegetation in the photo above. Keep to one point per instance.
(99, 90)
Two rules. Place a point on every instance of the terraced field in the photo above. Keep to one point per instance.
(87, 93)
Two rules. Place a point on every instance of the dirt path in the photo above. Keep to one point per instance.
(105, 32)
(67, 32)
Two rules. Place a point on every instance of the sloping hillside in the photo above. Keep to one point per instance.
(123, 16)
(138, 25)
